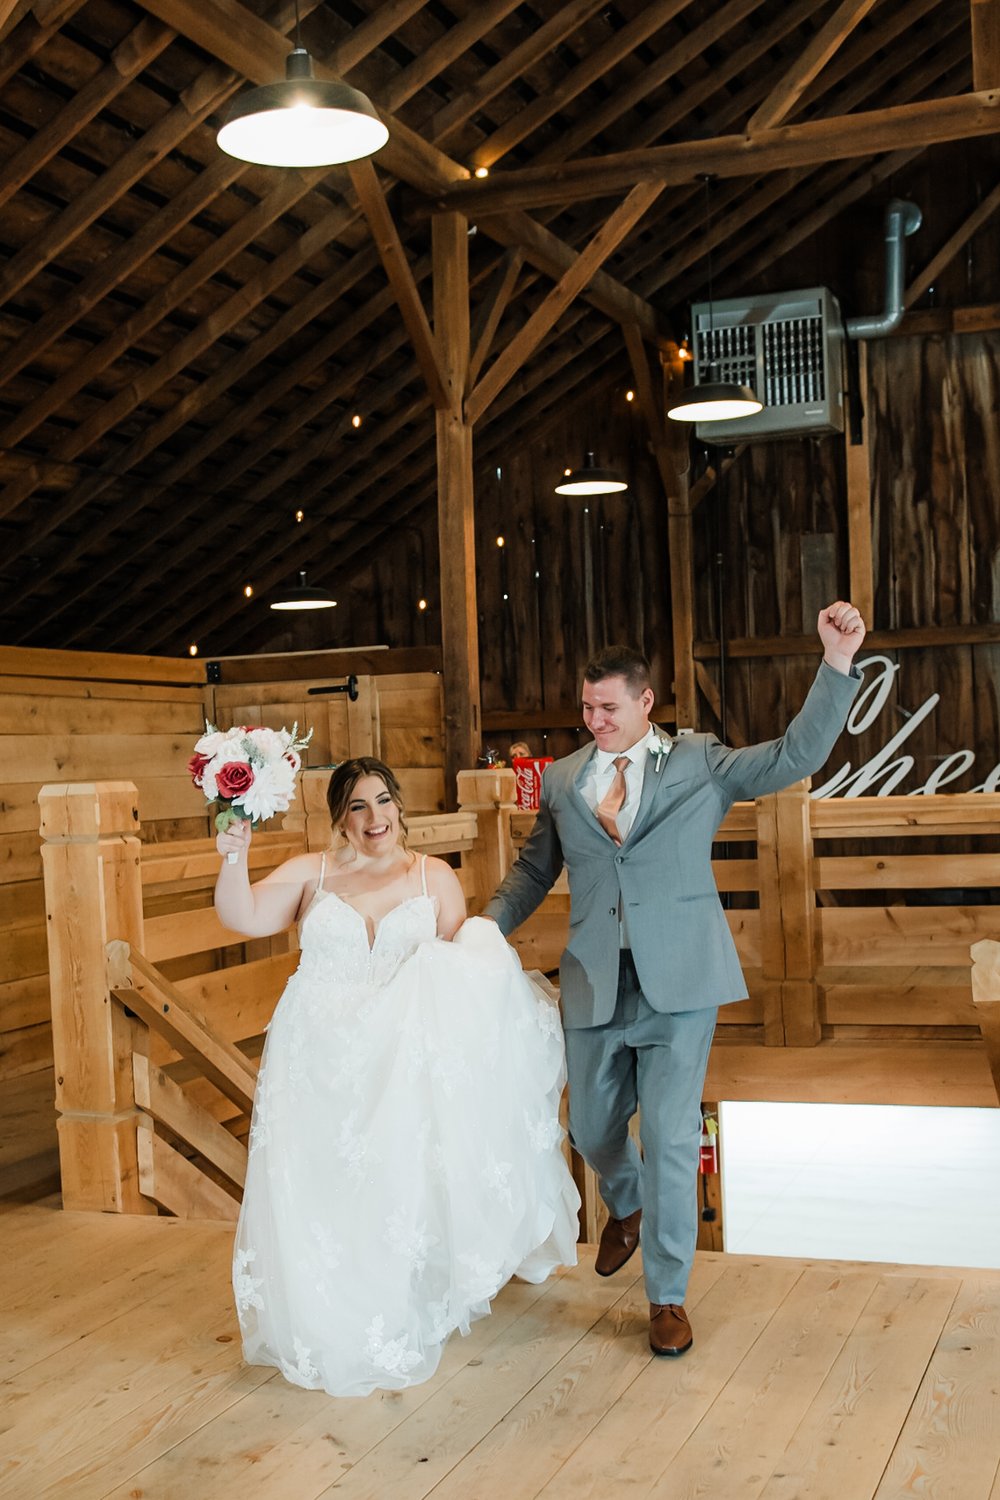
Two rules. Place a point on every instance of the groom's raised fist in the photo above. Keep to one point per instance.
(842, 630)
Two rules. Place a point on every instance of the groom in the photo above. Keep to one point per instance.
(650, 957)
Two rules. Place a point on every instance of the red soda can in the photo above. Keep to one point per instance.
(528, 774)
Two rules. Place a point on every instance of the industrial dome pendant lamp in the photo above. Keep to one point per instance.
(301, 597)
(712, 400)
(591, 480)
(302, 121)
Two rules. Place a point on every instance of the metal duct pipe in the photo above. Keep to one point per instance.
(902, 218)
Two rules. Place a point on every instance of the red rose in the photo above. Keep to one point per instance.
(196, 767)
(235, 778)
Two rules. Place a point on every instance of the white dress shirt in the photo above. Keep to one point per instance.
(597, 783)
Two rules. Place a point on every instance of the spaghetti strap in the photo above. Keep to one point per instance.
(322, 871)
(423, 874)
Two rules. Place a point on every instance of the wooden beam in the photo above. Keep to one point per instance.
(902, 127)
(937, 320)
(986, 999)
(526, 341)
(876, 640)
(554, 257)
(456, 518)
(787, 93)
(492, 309)
(951, 247)
(680, 541)
(397, 268)
(985, 18)
(859, 504)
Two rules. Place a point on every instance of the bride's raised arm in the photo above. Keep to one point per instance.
(443, 883)
(272, 904)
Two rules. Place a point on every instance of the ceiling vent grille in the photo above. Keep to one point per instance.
(788, 347)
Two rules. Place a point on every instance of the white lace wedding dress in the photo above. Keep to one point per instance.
(405, 1150)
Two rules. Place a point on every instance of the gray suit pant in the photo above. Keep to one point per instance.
(644, 1059)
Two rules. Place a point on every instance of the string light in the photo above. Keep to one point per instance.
(192, 650)
(248, 591)
(421, 603)
(482, 171)
(630, 395)
(300, 515)
(356, 420)
(500, 541)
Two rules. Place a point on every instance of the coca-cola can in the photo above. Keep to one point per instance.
(528, 773)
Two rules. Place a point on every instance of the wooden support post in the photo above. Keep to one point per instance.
(93, 893)
(456, 529)
(680, 542)
(859, 507)
(490, 795)
(985, 17)
(788, 918)
(986, 999)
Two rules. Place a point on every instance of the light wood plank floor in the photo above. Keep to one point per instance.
(809, 1380)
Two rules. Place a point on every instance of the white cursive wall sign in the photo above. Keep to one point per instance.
(882, 774)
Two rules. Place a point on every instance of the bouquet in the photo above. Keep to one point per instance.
(247, 772)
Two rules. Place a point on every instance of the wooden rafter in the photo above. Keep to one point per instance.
(928, 122)
(397, 268)
(604, 243)
(985, 19)
(987, 208)
(788, 91)
(649, 19)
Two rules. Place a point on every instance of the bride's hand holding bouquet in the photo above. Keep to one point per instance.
(248, 773)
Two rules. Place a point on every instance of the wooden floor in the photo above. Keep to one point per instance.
(808, 1380)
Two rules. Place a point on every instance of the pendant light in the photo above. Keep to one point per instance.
(301, 597)
(590, 480)
(302, 121)
(712, 400)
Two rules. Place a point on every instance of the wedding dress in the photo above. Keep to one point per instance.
(405, 1148)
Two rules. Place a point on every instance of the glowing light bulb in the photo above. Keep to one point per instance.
(482, 171)
(248, 591)
(630, 395)
(192, 650)
(356, 420)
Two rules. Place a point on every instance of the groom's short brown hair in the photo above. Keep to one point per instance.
(620, 661)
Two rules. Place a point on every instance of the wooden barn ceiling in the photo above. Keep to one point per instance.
(185, 338)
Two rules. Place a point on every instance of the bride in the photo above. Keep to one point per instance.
(405, 1148)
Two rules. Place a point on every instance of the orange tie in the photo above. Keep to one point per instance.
(614, 800)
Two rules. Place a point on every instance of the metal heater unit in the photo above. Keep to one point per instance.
(788, 347)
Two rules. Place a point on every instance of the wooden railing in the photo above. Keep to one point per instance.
(158, 1011)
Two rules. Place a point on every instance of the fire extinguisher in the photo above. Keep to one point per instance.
(708, 1161)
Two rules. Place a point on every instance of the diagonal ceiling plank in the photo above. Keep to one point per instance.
(597, 65)
(985, 18)
(160, 139)
(789, 89)
(928, 122)
(397, 269)
(426, 66)
(142, 45)
(510, 68)
(372, 32)
(523, 344)
(290, 188)
(919, 285)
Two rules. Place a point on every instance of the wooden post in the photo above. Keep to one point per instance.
(986, 999)
(859, 507)
(456, 529)
(681, 546)
(788, 918)
(93, 893)
(490, 795)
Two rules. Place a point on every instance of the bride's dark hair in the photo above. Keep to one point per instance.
(346, 777)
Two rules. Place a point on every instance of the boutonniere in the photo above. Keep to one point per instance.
(659, 750)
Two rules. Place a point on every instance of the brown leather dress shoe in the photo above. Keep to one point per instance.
(619, 1242)
(669, 1329)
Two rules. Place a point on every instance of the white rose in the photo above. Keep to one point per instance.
(268, 744)
(210, 742)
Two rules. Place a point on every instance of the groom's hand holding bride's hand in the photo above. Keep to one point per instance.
(842, 630)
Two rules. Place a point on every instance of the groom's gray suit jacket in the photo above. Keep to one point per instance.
(661, 876)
